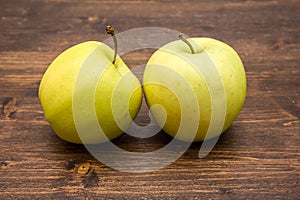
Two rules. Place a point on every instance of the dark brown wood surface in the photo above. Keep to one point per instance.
(257, 158)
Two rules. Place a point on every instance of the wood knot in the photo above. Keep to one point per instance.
(9, 106)
(4, 163)
(280, 44)
(84, 168)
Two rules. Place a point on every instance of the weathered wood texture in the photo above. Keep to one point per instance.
(257, 158)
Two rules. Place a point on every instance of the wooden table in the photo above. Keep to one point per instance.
(257, 158)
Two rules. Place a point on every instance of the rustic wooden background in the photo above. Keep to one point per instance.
(258, 158)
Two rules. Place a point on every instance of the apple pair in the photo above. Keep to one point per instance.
(181, 57)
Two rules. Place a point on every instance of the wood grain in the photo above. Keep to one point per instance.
(257, 158)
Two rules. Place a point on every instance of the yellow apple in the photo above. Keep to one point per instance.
(57, 90)
(177, 57)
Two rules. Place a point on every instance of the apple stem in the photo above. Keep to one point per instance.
(187, 42)
(111, 31)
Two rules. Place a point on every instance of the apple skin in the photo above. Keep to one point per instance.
(57, 87)
(175, 55)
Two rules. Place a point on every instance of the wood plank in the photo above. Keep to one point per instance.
(257, 158)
